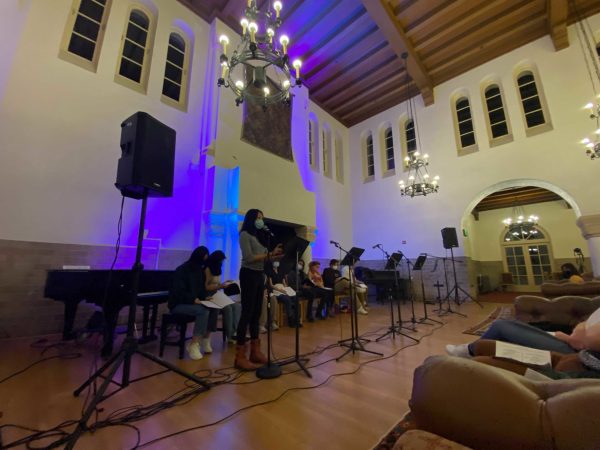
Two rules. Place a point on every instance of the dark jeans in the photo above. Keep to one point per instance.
(289, 305)
(310, 298)
(521, 333)
(252, 285)
(325, 300)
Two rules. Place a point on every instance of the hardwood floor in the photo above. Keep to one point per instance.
(348, 404)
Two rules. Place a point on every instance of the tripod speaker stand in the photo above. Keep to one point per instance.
(127, 350)
(419, 266)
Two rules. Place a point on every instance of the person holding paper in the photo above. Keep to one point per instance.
(319, 289)
(585, 336)
(186, 295)
(358, 287)
(297, 279)
(232, 312)
(277, 285)
(253, 236)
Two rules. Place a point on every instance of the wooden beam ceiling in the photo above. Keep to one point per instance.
(510, 198)
(383, 15)
(558, 12)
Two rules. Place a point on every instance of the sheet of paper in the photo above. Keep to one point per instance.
(210, 304)
(221, 300)
(523, 354)
(289, 291)
(236, 298)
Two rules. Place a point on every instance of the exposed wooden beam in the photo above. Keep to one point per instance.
(382, 14)
(557, 12)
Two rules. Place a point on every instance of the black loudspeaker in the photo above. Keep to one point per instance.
(449, 237)
(147, 158)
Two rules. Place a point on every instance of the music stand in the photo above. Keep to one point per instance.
(353, 343)
(293, 249)
(418, 265)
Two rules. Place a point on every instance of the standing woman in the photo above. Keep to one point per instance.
(252, 284)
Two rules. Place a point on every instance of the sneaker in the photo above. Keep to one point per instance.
(362, 310)
(205, 344)
(460, 350)
(262, 329)
(274, 327)
(193, 350)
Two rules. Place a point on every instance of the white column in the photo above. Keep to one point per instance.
(590, 230)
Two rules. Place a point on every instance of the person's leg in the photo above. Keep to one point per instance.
(228, 320)
(286, 301)
(247, 287)
(201, 314)
(258, 288)
(513, 366)
(310, 298)
(236, 312)
(526, 335)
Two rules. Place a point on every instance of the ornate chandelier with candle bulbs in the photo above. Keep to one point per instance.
(259, 68)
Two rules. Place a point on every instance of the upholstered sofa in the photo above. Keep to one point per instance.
(565, 287)
(566, 311)
(484, 407)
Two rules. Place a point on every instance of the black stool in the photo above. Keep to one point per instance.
(180, 321)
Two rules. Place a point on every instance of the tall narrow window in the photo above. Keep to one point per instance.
(495, 109)
(370, 159)
(530, 98)
(137, 39)
(176, 71)
(325, 150)
(464, 121)
(409, 141)
(339, 161)
(84, 32)
(311, 143)
(389, 150)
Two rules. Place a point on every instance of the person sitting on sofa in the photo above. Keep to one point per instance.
(585, 336)
(570, 272)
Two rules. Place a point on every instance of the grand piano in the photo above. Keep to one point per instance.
(386, 282)
(109, 290)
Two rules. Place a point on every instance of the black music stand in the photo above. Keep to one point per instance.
(457, 288)
(292, 252)
(127, 350)
(353, 343)
(391, 265)
(419, 263)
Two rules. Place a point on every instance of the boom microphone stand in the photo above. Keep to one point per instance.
(128, 349)
(353, 343)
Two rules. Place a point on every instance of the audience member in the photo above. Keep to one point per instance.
(319, 290)
(298, 281)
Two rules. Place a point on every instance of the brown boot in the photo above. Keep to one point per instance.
(241, 360)
(256, 356)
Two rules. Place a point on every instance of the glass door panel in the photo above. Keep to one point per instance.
(540, 263)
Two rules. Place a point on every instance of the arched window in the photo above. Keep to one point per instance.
(497, 121)
(530, 99)
(339, 160)
(134, 63)
(84, 32)
(369, 158)
(409, 140)
(464, 121)
(326, 150)
(177, 72)
(312, 130)
(389, 149)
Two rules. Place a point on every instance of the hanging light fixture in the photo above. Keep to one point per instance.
(588, 48)
(419, 182)
(519, 226)
(259, 68)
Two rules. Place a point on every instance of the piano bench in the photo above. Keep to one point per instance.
(181, 321)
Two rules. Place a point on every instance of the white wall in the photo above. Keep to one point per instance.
(554, 157)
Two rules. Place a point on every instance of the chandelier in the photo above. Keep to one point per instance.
(259, 70)
(518, 226)
(419, 181)
(585, 35)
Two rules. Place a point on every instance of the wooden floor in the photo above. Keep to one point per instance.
(350, 410)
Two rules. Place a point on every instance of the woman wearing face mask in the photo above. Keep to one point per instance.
(276, 283)
(252, 284)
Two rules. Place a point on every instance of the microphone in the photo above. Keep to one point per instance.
(266, 230)
(334, 243)
(376, 246)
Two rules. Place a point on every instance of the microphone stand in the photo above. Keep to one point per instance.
(410, 295)
(269, 370)
(425, 318)
(353, 343)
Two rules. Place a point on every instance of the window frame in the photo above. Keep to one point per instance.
(405, 142)
(369, 156)
(74, 58)
(338, 150)
(142, 86)
(326, 151)
(182, 104)
(313, 143)
(387, 171)
(495, 141)
(547, 125)
(463, 150)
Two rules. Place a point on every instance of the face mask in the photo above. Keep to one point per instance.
(259, 224)
(336, 267)
(276, 264)
(300, 267)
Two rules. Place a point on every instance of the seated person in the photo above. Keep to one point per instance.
(586, 335)
(569, 272)
(276, 284)
(264, 314)
(358, 287)
(231, 313)
(584, 364)
(319, 290)
(186, 294)
(298, 281)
